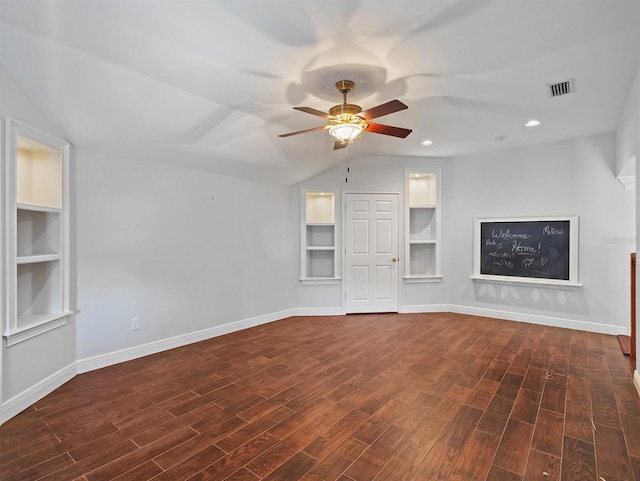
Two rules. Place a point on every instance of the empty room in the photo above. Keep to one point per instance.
(327, 240)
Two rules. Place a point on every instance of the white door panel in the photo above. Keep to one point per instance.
(384, 236)
(371, 267)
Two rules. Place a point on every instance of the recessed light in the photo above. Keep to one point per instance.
(532, 123)
(427, 142)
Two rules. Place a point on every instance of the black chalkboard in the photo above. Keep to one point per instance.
(535, 249)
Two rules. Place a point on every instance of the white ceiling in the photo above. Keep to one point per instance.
(209, 84)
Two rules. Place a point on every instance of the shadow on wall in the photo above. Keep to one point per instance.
(539, 298)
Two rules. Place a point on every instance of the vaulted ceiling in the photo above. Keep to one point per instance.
(210, 84)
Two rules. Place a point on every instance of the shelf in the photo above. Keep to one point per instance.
(39, 289)
(321, 235)
(422, 206)
(320, 248)
(422, 242)
(38, 207)
(320, 263)
(422, 259)
(422, 187)
(422, 279)
(38, 258)
(38, 173)
(422, 224)
(34, 325)
(315, 281)
(37, 232)
(320, 207)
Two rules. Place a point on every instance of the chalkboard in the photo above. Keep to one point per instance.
(531, 249)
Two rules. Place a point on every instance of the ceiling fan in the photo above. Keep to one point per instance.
(348, 121)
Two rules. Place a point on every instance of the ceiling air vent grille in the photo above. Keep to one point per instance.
(560, 88)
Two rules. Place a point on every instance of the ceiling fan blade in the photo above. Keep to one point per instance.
(339, 144)
(311, 111)
(382, 109)
(388, 130)
(322, 127)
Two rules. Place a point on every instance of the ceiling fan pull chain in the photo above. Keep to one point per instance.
(346, 156)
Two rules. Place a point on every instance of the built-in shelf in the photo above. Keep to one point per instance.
(36, 232)
(36, 259)
(422, 226)
(35, 324)
(37, 207)
(319, 260)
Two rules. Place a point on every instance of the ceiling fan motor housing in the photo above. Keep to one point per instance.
(344, 112)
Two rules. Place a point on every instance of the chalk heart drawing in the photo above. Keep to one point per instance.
(544, 260)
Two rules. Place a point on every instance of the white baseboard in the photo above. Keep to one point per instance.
(418, 308)
(26, 398)
(543, 320)
(636, 381)
(116, 357)
(318, 311)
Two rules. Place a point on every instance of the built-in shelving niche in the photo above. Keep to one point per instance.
(36, 230)
(319, 237)
(422, 226)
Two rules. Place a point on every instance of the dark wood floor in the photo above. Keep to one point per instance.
(387, 397)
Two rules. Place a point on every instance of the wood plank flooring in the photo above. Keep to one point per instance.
(392, 397)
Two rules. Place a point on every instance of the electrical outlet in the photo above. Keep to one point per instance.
(286, 293)
(135, 323)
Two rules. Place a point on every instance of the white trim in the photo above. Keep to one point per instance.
(31, 395)
(343, 237)
(317, 281)
(415, 309)
(542, 320)
(573, 249)
(48, 322)
(134, 352)
(421, 279)
(318, 311)
(537, 282)
(628, 181)
(636, 381)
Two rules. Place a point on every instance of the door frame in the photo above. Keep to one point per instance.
(343, 241)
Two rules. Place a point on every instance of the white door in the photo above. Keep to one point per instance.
(371, 253)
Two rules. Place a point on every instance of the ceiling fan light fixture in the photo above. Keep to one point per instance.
(346, 132)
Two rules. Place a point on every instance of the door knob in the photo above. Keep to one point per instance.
(394, 259)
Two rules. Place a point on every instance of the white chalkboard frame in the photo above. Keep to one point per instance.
(573, 252)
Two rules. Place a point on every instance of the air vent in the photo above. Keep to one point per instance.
(560, 88)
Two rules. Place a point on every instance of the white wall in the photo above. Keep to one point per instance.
(571, 177)
(369, 174)
(182, 250)
(26, 364)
